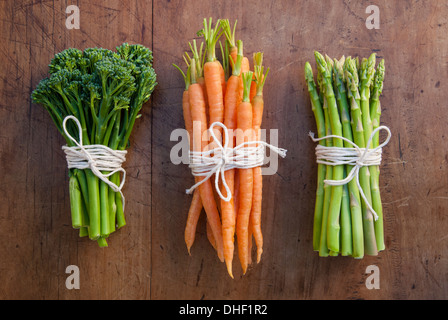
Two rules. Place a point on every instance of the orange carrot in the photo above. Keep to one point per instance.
(249, 241)
(233, 52)
(213, 72)
(199, 118)
(199, 62)
(257, 171)
(231, 103)
(253, 89)
(258, 59)
(236, 186)
(201, 82)
(212, 76)
(244, 134)
(210, 236)
(227, 207)
(196, 202)
(222, 74)
(258, 106)
(233, 49)
(245, 67)
(192, 219)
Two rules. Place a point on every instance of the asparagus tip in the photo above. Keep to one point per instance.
(308, 72)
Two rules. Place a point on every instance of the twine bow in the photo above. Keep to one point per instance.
(222, 158)
(96, 157)
(356, 157)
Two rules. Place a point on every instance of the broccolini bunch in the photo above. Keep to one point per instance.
(105, 90)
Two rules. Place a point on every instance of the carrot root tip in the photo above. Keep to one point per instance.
(259, 255)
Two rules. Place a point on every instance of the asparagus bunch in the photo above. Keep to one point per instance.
(345, 102)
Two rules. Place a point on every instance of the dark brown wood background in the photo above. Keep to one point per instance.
(148, 259)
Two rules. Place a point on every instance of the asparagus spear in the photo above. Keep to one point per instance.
(358, 128)
(367, 73)
(333, 228)
(321, 168)
(375, 114)
(353, 191)
(346, 225)
(341, 99)
(323, 247)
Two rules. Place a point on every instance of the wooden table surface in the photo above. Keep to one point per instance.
(148, 259)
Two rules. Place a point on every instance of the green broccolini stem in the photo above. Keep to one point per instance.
(94, 204)
(83, 232)
(81, 176)
(104, 207)
(102, 242)
(76, 204)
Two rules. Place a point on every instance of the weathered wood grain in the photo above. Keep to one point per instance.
(148, 258)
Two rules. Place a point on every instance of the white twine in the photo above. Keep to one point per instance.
(96, 157)
(356, 157)
(222, 158)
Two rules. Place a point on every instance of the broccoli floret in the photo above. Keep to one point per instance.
(136, 53)
(115, 76)
(67, 59)
(94, 85)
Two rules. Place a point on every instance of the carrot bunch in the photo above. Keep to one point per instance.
(227, 91)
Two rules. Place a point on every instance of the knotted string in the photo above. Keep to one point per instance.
(223, 158)
(96, 157)
(356, 157)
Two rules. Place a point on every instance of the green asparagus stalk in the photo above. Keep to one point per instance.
(323, 246)
(346, 245)
(375, 114)
(346, 224)
(367, 75)
(358, 129)
(333, 228)
(353, 191)
(316, 107)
